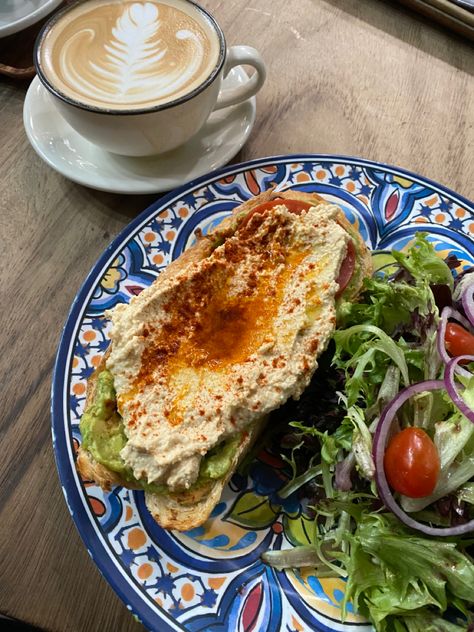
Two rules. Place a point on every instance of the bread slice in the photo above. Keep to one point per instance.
(181, 511)
(189, 509)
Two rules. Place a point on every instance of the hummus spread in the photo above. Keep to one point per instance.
(200, 355)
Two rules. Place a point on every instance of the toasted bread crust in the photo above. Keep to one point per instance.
(191, 509)
(185, 510)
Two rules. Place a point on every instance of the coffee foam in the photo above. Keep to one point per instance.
(129, 54)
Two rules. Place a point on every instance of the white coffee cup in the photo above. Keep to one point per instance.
(157, 123)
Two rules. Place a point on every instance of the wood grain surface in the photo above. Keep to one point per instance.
(356, 77)
(446, 12)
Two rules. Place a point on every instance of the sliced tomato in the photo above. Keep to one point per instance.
(297, 206)
(294, 206)
(458, 340)
(411, 463)
(347, 268)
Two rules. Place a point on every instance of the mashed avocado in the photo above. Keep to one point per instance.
(103, 436)
(218, 461)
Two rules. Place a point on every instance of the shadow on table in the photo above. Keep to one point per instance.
(391, 17)
(117, 206)
(12, 625)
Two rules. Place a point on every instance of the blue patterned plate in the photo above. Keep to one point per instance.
(211, 578)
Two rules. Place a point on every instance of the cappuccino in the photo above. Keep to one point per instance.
(129, 55)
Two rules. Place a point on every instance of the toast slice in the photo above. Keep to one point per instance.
(185, 509)
(181, 511)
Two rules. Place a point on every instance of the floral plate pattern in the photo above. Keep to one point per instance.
(212, 578)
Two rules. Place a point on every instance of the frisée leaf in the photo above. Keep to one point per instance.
(392, 572)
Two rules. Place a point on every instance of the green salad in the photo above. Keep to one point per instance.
(381, 448)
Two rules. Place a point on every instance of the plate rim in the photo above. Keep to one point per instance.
(96, 548)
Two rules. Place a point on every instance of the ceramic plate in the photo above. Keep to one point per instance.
(212, 578)
(16, 16)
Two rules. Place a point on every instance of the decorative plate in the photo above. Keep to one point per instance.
(212, 578)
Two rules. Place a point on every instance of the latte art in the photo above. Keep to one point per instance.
(126, 55)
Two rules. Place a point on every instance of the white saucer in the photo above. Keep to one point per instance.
(16, 16)
(74, 157)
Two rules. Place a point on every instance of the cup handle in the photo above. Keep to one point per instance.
(237, 56)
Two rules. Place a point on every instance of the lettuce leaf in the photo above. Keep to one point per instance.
(466, 493)
(393, 573)
(390, 305)
(365, 352)
(399, 579)
(427, 622)
(422, 262)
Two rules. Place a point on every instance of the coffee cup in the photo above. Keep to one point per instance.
(140, 77)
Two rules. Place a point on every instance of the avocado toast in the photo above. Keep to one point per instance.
(228, 332)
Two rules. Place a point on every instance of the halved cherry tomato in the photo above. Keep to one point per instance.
(347, 268)
(458, 340)
(411, 463)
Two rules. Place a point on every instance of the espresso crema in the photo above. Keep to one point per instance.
(127, 55)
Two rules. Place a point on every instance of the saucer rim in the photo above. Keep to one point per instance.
(125, 185)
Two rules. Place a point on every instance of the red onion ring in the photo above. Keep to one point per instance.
(452, 389)
(380, 441)
(449, 312)
(467, 299)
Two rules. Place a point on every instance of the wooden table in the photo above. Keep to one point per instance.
(356, 77)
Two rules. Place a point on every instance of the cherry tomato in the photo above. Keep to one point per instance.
(411, 463)
(458, 340)
(347, 268)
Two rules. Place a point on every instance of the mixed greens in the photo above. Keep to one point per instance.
(380, 448)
